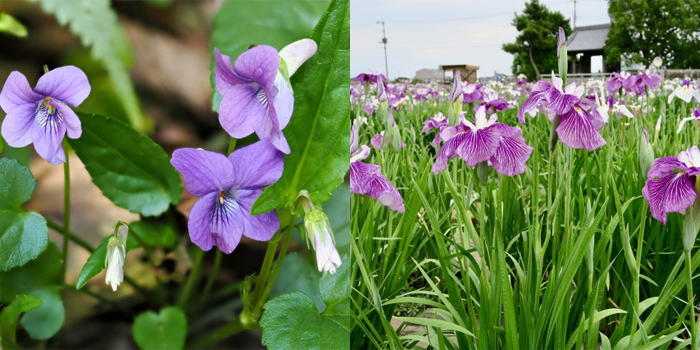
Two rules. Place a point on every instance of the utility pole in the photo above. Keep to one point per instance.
(386, 61)
(574, 14)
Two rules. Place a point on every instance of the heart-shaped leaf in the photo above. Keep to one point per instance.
(23, 234)
(319, 131)
(41, 278)
(292, 321)
(130, 169)
(10, 315)
(161, 331)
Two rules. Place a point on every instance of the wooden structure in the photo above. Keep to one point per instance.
(588, 41)
(467, 72)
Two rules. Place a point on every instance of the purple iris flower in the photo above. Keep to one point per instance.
(439, 122)
(255, 97)
(43, 116)
(669, 191)
(493, 103)
(472, 93)
(501, 145)
(367, 179)
(379, 142)
(578, 127)
(370, 77)
(456, 88)
(561, 40)
(614, 83)
(651, 79)
(228, 187)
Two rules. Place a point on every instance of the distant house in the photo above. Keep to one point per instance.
(587, 42)
(429, 74)
(467, 72)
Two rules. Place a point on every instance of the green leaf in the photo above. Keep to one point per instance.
(155, 234)
(238, 24)
(161, 331)
(41, 278)
(292, 321)
(46, 320)
(319, 131)
(10, 315)
(338, 211)
(96, 262)
(298, 273)
(98, 27)
(130, 169)
(10, 25)
(23, 234)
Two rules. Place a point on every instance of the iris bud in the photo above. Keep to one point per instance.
(646, 154)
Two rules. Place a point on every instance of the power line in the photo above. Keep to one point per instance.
(426, 47)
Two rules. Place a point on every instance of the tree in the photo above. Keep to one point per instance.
(644, 29)
(535, 48)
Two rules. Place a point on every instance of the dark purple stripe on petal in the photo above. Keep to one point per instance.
(226, 224)
(367, 179)
(511, 156)
(671, 193)
(577, 131)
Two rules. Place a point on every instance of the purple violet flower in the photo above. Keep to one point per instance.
(43, 116)
(228, 187)
(484, 141)
(255, 97)
(578, 128)
(367, 179)
(668, 191)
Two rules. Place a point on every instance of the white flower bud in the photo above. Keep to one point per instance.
(317, 225)
(116, 256)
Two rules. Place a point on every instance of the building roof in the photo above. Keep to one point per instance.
(588, 38)
(458, 66)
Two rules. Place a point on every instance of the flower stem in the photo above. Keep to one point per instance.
(71, 236)
(231, 146)
(212, 274)
(691, 297)
(66, 207)
(275, 271)
(192, 278)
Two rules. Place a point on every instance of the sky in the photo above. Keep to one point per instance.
(428, 33)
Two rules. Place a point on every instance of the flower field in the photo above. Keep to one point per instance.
(521, 213)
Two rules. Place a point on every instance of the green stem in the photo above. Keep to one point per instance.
(688, 267)
(231, 146)
(248, 319)
(265, 269)
(71, 236)
(192, 278)
(217, 335)
(66, 207)
(273, 276)
(212, 274)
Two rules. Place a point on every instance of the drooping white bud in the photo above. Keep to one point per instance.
(317, 225)
(116, 256)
